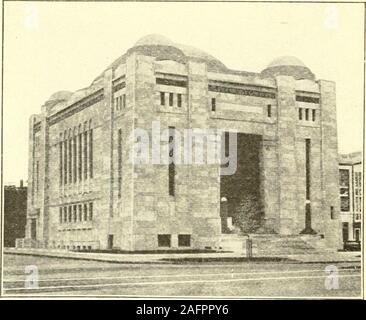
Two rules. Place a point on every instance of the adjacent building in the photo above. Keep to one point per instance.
(85, 192)
(350, 191)
(15, 213)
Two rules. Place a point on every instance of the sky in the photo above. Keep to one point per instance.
(56, 46)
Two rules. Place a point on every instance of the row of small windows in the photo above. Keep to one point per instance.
(306, 113)
(172, 98)
(76, 213)
(164, 240)
(75, 248)
(76, 155)
(120, 102)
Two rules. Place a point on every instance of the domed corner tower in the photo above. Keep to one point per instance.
(288, 66)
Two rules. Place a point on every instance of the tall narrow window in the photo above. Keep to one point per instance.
(80, 157)
(85, 155)
(179, 100)
(75, 216)
(314, 114)
(74, 154)
(61, 162)
(70, 157)
(90, 211)
(85, 212)
(65, 161)
(37, 177)
(307, 167)
(269, 111)
(70, 213)
(80, 209)
(300, 113)
(65, 214)
(171, 99)
(171, 168)
(124, 100)
(91, 153)
(119, 163)
(61, 214)
(307, 114)
(162, 98)
(213, 104)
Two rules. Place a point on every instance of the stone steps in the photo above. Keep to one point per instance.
(271, 244)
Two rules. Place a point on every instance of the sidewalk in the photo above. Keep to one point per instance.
(166, 258)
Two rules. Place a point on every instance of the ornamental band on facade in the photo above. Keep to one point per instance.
(84, 194)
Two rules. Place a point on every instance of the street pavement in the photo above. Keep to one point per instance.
(288, 278)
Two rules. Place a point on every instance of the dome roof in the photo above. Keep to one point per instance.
(159, 40)
(288, 66)
(286, 61)
(60, 96)
(153, 39)
(162, 48)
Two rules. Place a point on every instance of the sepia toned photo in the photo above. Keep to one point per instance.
(182, 150)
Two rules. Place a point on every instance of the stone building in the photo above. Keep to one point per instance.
(85, 193)
(350, 192)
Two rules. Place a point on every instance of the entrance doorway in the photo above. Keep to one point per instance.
(240, 205)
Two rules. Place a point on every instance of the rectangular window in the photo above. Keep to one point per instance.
(70, 214)
(37, 177)
(171, 99)
(332, 215)
(307, 167)
(119, 163)
(80, 157)
(91, 153)
(213, 104)
(179, 101)
(124, 100)
(300, 113)
(162, 98)
(65, 161)
(61, 162)
(184, 240)
(344, 188)
(85, 212)
(171, 167)
(70, 161)
(90, 211)
(307, 114)
(269, 111)
(75, 213)
(164, 240)
(65, 214)
(345, 204)
(74, 159)
(80, 207)
(61, 214)
(85, 155)
(314, 114)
